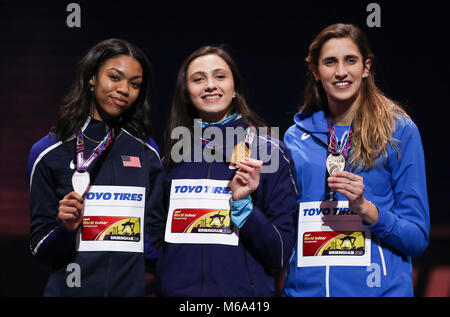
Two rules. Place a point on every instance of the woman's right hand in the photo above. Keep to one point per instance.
(71, 211)
(246, 179)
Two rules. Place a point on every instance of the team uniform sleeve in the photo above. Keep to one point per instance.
(291, 141)
(49, 241)
(271, 232)
(154, 206)
(158, 216)
(153, 144)
(406, 226)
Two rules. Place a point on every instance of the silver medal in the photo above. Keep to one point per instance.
(335, 162)
(80, 182)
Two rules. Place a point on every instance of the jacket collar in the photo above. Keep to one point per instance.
(205, 124)
(96, 129)
(312, 122)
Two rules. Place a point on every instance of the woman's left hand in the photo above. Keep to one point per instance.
(246, 179)
(352, 187)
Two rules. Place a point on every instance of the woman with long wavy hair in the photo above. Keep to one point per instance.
(361, 178)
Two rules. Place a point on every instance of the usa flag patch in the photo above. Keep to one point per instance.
(131, 161)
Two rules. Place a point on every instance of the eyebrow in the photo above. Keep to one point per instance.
(213, 71)
(334, 57)
(122, 73)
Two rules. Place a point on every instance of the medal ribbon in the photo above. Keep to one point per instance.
(82, 164)
(249, 136)
(343, 146)
(337, 147)
(206, 143)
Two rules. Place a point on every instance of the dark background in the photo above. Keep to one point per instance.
(268, 39)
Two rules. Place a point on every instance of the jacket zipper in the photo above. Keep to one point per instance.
(208, 173)
(106, 294)
(327, 271)
(383, 263)
(250, 278)
(282, 246)
(202, 278)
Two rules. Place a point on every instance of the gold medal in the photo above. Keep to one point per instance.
(240, 152)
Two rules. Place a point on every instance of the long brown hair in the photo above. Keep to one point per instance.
(183, 113)
(374, 121)
(79, 101)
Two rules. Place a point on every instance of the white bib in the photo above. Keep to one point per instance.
(113, 219)
(199, 212)
(329, 233)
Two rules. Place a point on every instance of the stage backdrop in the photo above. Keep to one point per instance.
(42, 41)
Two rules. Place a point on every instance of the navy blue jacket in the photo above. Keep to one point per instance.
(103, 273)
(265, 239)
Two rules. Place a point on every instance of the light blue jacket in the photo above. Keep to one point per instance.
(397, 187)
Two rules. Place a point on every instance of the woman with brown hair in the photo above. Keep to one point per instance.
(361, 178)
(230, 222)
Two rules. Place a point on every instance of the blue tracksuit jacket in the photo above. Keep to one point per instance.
(50, 168)
(265, 239)
(396, 185)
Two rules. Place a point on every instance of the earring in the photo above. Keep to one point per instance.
(91, 84)
(234, 94)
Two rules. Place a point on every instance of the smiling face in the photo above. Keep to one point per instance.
(341, 70)
(116, 87)
(211, 87)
